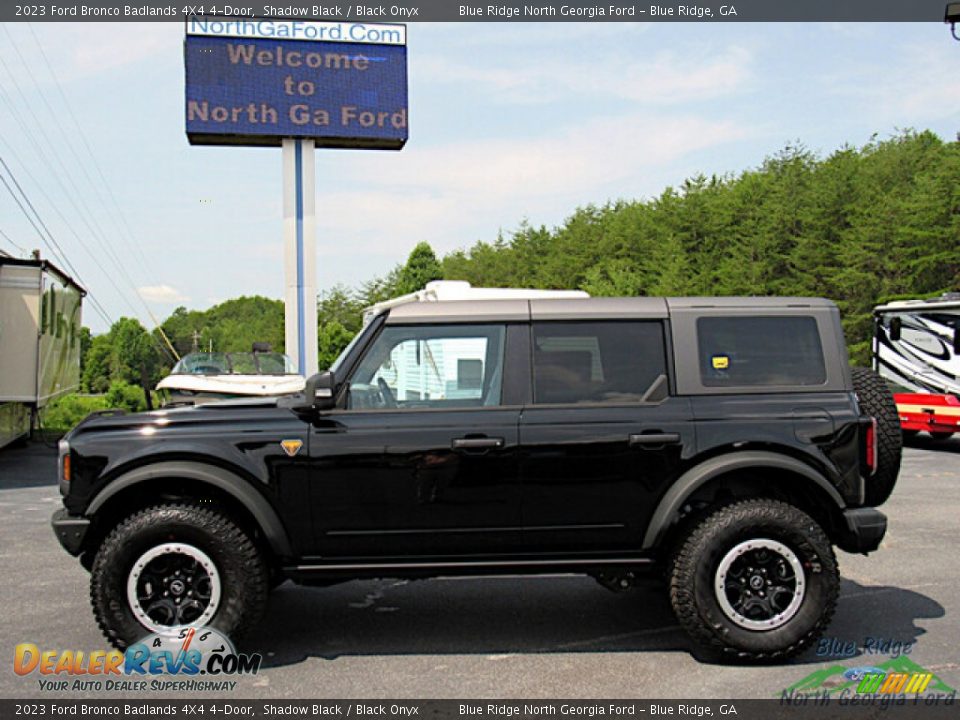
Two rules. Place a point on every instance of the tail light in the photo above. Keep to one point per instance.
(870, 446)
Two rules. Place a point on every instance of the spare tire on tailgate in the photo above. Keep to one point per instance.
(876, 400)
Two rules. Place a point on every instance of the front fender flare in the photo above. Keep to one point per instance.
(230, 483)
(669, 507)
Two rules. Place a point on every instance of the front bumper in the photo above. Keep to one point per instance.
(71, 530)
(865, 528)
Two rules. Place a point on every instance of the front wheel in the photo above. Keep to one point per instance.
(756, 580)
(173, 566)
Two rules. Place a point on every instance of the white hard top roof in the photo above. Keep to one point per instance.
(455, 301)
(460, 290)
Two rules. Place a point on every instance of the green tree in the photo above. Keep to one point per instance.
(127, 353)
(231, 326)
(332, 338)
(861, 225)
(421, 267)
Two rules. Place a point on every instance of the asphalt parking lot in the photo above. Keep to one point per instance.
(560, 636)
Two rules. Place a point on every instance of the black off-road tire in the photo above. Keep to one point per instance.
(242, 569)
(876, 400)
(693, 571)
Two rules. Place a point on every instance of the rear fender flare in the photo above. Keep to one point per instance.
(668, 509)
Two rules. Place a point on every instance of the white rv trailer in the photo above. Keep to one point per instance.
(39, 341)
(916, 344)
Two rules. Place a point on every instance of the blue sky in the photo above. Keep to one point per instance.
(507, 122)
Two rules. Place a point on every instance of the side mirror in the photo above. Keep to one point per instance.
(896, 325)
(319, 393)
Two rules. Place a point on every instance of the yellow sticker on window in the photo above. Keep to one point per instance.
(720, 362)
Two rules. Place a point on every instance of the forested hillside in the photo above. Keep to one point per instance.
(860, 226)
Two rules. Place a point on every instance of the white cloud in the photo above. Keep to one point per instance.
(439, 193)
(523, 35)
(163, 294)
(665, 78)
(915, 87)
(573, 160)
(77, 50)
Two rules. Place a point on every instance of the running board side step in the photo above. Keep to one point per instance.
(466, 567)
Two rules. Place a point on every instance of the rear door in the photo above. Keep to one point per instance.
(603, 435)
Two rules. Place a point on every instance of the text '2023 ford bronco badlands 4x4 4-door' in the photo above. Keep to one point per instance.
(724, 443)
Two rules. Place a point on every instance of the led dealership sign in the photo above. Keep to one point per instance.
(254, 82)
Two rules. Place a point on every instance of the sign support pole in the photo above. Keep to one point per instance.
(299, 254)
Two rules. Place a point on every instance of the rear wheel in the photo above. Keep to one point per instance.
(756, 580)
(173, 566)
(876, 400)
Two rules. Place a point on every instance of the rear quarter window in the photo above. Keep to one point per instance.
(760, 351)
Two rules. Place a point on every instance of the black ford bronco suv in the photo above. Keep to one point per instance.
(722, 443)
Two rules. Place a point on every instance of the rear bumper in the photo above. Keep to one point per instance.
(71, 530)
(865, 528)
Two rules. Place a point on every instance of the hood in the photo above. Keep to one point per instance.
(222, 412)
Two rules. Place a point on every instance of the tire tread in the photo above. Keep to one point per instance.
(208, 520)
(684, 567)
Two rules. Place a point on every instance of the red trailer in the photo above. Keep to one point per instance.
(938, 415)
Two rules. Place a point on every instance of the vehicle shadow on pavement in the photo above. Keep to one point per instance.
(925, 442)
(28, 465)
(525, 615)
(874, 622)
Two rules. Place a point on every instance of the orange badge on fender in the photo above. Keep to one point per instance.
(291, 447)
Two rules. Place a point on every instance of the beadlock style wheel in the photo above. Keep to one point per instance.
(173, 565)
(173, 585)
(760, 584)
(754, 581)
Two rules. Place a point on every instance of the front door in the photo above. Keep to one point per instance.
(423, 460)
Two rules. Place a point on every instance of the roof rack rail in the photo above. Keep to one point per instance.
(448, 290)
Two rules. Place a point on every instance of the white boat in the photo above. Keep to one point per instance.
(202, 377)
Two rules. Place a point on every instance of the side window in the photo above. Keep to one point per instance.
(439, 366)
(596, 362)
(756, 351)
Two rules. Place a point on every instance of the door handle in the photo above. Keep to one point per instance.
(476, 443)
(655, 439)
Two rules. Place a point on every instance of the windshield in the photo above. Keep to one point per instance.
(335, 366)
(239, 363)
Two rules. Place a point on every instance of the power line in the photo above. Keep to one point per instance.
(103, 313)
(73, 193)
(171, 353)
(93, 157)
(95, 229)
(56, 208)
(9, 240)
(96, 304)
